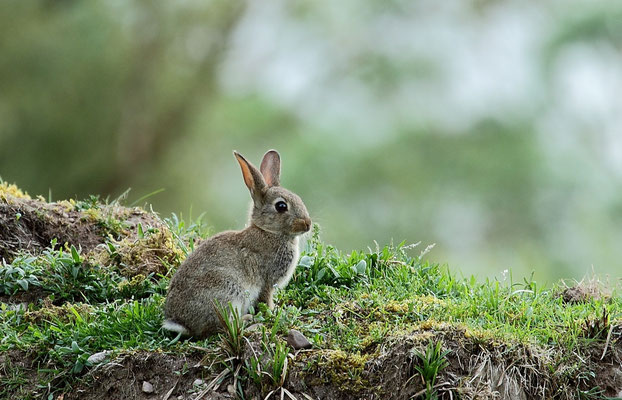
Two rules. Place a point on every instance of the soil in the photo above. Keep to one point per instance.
(30, 225)
(476, 370)
(171, 376)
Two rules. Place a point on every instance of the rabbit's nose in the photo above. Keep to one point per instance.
(301, 225)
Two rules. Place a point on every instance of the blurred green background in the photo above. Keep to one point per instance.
(491, 128)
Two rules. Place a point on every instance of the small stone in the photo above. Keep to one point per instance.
(231, 389)
(297, 340)
(254, 327)
(198, 382)
(147, 387)
(97, 357)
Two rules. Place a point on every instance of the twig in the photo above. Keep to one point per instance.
(607, 341)
(212, 384)
(170, 392)
(289, 394)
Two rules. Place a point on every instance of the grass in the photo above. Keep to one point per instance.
(356, 308)
(431, 362)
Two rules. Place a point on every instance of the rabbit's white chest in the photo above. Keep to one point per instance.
(291, 267)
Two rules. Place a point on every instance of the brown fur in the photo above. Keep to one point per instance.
(240, 267)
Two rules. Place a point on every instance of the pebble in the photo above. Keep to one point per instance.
(98, 357)
(254, 327)
(198, 382)
(147, 387)
(231, 389)
(297, 340)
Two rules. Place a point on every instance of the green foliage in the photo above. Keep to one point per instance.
(232, 340)
(13, 277)
(267, 368)
(68, 276)
(186, 232)
(432, 361)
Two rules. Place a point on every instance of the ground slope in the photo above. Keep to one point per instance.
(82, 285)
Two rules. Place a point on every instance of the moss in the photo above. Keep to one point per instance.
(8, 190)
(398, 307)
(65, 312)
(344, 370)
(135, 281)
(67, 205)
(92, 215)
(154, 253)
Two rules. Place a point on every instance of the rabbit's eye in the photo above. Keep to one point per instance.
(280, 206)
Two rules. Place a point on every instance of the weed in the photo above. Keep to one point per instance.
(431, 362)
(13, 277)
(232, 339)
(268, 368)
(186, 235)
(11, 378)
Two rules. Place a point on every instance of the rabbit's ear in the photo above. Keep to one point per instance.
(271, 168)
(252, 177)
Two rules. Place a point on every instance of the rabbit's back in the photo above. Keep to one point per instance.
(219, 270)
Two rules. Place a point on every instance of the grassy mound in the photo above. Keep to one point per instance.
(82, 284)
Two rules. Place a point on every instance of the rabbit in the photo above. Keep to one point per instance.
(240, 267)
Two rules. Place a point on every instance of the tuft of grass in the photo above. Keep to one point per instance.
(232, 339)
(267, 366)
(432, 361)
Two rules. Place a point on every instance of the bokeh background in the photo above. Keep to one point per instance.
(491, 128)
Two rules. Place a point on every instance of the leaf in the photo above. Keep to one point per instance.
(74, 347)
(305, 261)
(75, 255)
(23, 283)
(77, 368)
(141, 234)
(75, 312)
(321, 273)
(361, 267)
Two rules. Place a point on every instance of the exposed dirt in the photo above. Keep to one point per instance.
(32, 295)
(171, 376)
(29, 225)
(478, 369)
(584, 291)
